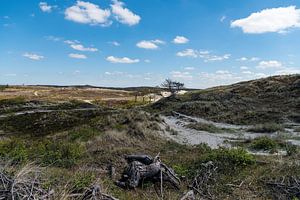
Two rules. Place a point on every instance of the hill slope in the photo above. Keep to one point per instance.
(272, 99)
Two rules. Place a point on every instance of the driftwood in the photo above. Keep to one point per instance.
(205, 180)
(284, 187)
(94, 193)
(144, 168)
(24, 185)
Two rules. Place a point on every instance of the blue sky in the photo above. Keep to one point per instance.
(202, 43)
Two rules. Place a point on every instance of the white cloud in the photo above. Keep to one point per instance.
(270, 20)
(180, 40)
(242, 59)
(124, 15)
(189, 68)
(53, 38)
(243, 67)
(88, 13)
(33, 56)
(248, 59)
(188, 53)
(115, 43)
(124, 60)
(181, 75)
(269, 64)
(288, 70)
(247, 72)
(80, 47)
(147, 61)
(206, 55)
(211, 58)
(222, 72)
(77, 56)
(71, 41)
(45, 7)
(149, 44)
(222, 18)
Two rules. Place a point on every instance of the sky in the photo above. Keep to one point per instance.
(202, 43)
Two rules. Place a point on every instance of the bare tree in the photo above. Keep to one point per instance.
(172, 86)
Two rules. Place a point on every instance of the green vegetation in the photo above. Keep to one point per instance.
(3, 87)
(44, 152)
(266, 128)
(229, 159)
(264, 143)
(209, 128)
(269, 100)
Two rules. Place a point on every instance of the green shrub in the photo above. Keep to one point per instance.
(229, 158)
(181, 170)
(266, 128)
(264, 143)
(291, 149)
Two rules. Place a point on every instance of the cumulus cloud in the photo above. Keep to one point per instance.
(77, 56)
(45, 7)
(287, 71)
(188, 53)
(123, 60)
(205, 55)
(181, 75)
(114, 43)
(33, 56)
(189, 68)
(252, 59)
(149, 44)
(270, 20)
(80, 47)
(180, 40)
(75, 44)
(88, 13)
(271, 64)
(243, 67)
(124, 15)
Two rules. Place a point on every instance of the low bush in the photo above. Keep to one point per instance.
(264, 143)
(266, 128)
(227, 159)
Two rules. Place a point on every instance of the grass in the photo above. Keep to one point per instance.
(266, 128)
(209, 128)
(44, 152)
